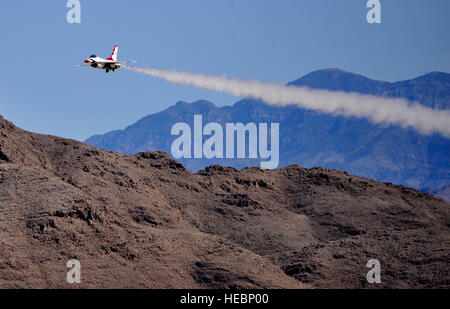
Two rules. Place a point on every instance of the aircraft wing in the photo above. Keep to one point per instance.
(108, 62)
(125, 62)
(83, 65)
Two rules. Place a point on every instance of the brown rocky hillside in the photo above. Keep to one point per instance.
(144, 221)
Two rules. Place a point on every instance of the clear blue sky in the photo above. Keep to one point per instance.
(274, 41)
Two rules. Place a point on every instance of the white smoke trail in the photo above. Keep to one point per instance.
(377, 109)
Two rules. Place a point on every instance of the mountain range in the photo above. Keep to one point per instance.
(382, 152)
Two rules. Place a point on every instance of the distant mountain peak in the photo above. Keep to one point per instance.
(338, 80)
(438, 73)
(431, 89)
(333, 70)
(435, 76)
(199, 103)
(203, 103)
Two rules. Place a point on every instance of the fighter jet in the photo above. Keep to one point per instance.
(108, 64)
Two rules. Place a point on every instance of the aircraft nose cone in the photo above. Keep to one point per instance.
(86, 61)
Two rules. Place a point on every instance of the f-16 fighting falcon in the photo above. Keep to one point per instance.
(108, 64)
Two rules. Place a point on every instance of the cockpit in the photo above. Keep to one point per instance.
(92, 56)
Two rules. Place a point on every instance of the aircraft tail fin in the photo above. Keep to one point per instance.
(114, 54)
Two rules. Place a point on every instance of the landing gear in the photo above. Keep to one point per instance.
(107, 71)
